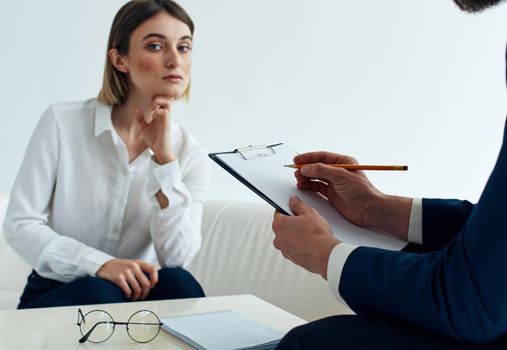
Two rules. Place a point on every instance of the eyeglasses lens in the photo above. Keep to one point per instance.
(102, 325)
(143, 326)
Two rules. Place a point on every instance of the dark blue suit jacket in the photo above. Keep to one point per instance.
(458, 286)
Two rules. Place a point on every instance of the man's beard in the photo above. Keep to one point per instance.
(476, 5)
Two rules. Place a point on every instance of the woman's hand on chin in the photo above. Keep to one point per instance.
(155, 128)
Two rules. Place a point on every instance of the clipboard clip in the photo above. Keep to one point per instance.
(252, 152)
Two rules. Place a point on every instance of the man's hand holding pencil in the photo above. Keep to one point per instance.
(350, 192)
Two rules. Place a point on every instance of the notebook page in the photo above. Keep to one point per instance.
(221, 330)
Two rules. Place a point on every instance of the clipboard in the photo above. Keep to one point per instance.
(260, 168)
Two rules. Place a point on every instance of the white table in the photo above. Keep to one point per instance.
(56, 328)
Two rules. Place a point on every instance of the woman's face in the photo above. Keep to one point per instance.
(160, 57)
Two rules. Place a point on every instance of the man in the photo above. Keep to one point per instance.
(452, 294)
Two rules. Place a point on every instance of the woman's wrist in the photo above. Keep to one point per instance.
(162, 159)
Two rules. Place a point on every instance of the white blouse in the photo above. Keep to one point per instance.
(77, 202)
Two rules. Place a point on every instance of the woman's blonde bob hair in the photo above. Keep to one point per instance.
(115, 88)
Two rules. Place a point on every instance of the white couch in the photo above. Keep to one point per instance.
(237, 257)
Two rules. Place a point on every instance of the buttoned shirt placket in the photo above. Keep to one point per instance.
(119, 196)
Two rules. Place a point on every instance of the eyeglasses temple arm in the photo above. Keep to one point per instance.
(80, 313)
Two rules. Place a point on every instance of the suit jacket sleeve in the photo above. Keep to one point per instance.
(459, 291)
(442, 220)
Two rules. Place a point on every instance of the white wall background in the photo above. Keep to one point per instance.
(395, 81)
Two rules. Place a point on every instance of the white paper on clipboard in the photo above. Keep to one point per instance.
(261, 168)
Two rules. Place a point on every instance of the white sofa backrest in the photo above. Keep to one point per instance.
(238, 257)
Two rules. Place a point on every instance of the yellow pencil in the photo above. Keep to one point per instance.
(356, 166)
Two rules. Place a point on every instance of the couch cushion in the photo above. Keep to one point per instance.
(9, 300)
(13, 270)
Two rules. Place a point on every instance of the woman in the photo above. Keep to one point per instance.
(110, 184)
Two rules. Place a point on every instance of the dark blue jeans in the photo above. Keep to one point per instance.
(370, 332)
(173, 283)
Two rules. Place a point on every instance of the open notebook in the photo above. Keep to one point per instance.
(221, 330)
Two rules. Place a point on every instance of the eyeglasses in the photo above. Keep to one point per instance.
(97, 326)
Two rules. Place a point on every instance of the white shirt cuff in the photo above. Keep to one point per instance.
(160, 175)
(167, 178)
(335, 264)
(415, 223)
(92, 262)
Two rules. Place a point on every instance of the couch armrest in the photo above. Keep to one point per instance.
(13, 270)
